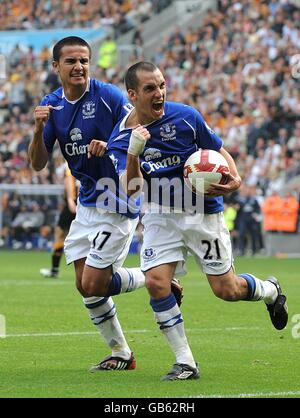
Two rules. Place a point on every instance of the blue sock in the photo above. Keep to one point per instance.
(114, 285)
(125, 280)
(163, 304)
(166, 311)
(251, 282)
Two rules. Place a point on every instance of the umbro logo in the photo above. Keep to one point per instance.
(185, 375)
(214, 264)
(95, 256)
(120, 137)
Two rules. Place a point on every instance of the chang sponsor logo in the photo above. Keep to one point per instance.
(72, 148)
(75, 149)
(151, 167)
(152, 154)
(76, 134)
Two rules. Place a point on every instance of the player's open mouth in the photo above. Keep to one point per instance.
(158, 106)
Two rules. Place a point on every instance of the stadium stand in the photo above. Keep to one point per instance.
(236, 68)
(48, 14)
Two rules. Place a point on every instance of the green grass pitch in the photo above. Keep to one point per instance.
(51, 342)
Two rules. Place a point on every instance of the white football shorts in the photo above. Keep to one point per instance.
(102, 237)
(170, 237)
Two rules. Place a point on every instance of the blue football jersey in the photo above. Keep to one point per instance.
(75, 124)
(178, 134)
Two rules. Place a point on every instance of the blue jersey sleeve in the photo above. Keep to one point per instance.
(119, 103)
(117, 148)
(118, 158)
(206, 138)
(49, 130)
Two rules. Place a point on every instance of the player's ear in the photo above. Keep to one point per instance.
(55, 66)
(131, 94)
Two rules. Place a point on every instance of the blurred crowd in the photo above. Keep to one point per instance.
(236, 67)
(122, 15)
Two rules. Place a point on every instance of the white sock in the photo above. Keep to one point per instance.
(270, 291)
(102, 312)
(260, 289)
(131, 279)
(265, 291)
(171, 324)
(125, 280)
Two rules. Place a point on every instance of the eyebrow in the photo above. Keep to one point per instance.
(153, 84)
(75, 59)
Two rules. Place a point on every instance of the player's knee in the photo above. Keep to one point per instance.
(154, 284)
(93, 288)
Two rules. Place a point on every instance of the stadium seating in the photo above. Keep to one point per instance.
(235, 68)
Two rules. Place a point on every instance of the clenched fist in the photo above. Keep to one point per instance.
(41, 116)
(97, 148)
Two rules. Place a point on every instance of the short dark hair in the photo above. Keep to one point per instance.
(131, 79)
(69, 40)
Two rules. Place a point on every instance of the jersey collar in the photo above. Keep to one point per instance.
(123, 122)
(75, 101)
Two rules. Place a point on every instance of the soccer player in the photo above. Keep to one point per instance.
(81, 116)
(160, 136)
(66, 217)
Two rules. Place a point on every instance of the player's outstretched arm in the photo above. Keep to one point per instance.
(132, 178)
(233, 179)
(37, 152)
(70, 187)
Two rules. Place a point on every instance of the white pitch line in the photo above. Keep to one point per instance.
(50, 334)
(39, 282)
(248, 395)
(134, 331)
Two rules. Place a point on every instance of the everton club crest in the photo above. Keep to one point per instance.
(168, 132)
(88, 110)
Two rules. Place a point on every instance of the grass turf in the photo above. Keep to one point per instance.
(51, 343)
